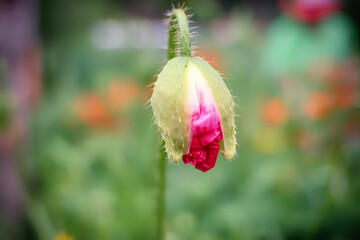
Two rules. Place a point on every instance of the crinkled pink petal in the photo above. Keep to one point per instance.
(204, 146)
(205, 130)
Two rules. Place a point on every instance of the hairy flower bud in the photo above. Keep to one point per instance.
(193, 109)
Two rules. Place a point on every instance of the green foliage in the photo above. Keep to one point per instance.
(94, 182)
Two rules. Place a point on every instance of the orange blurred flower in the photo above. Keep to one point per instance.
(120, 94)
(212, 56)
(318, 106)
(275, 112)
(90, 109)
(344, 95)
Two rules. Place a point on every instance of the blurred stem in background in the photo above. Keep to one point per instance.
(179, 42)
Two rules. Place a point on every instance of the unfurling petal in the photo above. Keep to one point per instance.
(205, 123)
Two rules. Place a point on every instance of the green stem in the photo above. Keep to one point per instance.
(179, 41)
(179, 34)
(161, 195)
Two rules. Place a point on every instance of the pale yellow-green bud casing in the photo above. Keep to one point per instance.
(168, 104)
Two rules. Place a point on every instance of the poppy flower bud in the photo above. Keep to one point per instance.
(194, 111)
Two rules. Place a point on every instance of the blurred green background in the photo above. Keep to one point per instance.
(79, 148)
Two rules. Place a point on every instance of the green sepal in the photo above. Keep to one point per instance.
(167, 102)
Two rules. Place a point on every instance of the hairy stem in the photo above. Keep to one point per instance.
(179, 34)
(179, 42)
(161, 195)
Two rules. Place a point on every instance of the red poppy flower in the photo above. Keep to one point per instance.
(309, 11)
